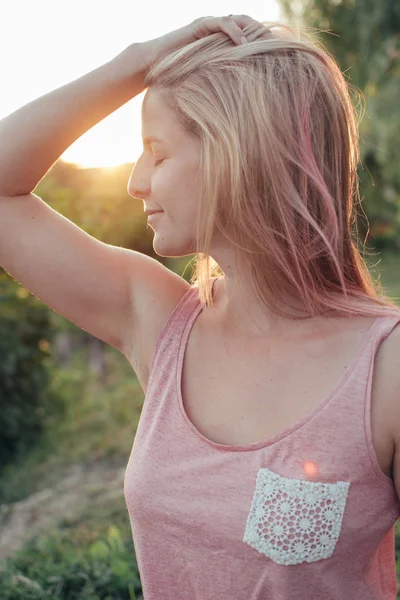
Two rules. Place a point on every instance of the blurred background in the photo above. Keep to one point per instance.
(69, 404)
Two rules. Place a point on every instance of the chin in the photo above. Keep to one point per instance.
(172, 249)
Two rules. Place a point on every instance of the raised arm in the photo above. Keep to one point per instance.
(34, 137)
(107, 291)
(83, 279)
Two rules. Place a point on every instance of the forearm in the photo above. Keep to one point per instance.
(34, 137)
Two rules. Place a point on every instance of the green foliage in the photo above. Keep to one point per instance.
(183, 266)
(366, 44)
(98, 202)
(98, 423)
(63, 567)
(100, 419)
(388, 266)
(26, 403)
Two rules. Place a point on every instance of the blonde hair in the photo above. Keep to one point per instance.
(278, 157)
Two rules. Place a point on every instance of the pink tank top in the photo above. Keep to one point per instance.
(306, 515)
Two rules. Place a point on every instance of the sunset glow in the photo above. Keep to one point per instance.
(47, 45)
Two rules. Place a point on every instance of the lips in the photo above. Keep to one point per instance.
(154, 216)
(152, 212)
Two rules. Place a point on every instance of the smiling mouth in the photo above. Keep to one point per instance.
(154, 215)
(152, 212)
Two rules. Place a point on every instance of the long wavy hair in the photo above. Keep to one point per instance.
(278, 134)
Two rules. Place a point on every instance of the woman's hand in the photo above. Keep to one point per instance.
(232, 25)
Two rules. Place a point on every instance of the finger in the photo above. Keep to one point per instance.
(231, 27)
(228, 25)
(241, 21)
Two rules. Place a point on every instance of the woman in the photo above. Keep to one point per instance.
(266, 461)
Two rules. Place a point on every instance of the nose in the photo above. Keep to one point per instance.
(139, 181)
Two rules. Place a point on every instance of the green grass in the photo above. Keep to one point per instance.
(81, 564)
(89, 554)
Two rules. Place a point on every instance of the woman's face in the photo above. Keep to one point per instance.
(166, 177)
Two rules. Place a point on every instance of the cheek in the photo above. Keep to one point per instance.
(176, 190)
(165, 182)
(175, 231)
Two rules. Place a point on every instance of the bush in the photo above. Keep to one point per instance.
(59, 568)
(25, 401)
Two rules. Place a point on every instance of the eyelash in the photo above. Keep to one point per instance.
(157, 162)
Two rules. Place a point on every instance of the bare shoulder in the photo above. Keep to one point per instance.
(155, 292)
(387, 387)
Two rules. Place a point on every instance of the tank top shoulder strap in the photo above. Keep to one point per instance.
(380, 329)
(357, 380)
(363, 361)
(172, 331)
(352, 393)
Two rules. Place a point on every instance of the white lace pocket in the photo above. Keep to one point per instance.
(293, 521)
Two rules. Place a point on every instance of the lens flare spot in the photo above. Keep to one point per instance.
(310, 468)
